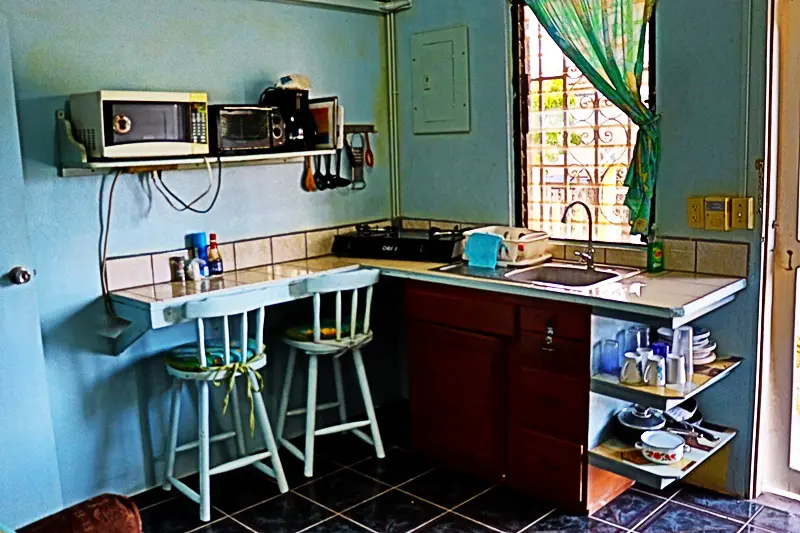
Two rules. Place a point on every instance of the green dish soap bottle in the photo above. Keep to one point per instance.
(655, 252)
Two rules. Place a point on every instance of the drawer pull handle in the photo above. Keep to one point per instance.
(548, 341)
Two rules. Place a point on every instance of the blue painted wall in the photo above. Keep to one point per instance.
(459, 176)
(713, 131)
(109, 413)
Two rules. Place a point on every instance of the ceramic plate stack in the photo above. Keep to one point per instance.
(703, 345)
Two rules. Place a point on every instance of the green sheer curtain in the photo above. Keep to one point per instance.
(606, 41)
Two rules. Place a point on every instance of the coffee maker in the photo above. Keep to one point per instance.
(293, 107)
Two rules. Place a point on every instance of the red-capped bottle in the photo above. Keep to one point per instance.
(215, 265)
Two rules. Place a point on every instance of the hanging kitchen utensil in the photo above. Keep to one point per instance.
(319, 177)
(369, 157)
(338, 180)
(329, 177)
(356, 154)
(308, 181)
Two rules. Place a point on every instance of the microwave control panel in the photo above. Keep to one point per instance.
(199, 123)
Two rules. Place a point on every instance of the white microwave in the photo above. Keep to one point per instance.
(140, 124)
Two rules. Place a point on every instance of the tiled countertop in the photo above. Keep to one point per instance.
(676, 297)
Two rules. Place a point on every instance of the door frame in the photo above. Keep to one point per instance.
(774, 258)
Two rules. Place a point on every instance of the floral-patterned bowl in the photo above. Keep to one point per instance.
(662, 447)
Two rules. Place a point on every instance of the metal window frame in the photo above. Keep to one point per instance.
(521, 101)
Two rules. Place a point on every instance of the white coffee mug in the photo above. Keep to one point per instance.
(654, 371)
(631, 374)
(676, 369)
(644, 355)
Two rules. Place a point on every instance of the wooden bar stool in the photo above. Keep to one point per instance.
(221, 362)
(331, 339)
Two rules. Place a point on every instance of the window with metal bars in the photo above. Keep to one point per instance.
(572, 142)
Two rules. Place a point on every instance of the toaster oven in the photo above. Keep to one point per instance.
(141, 124)
(246, 128)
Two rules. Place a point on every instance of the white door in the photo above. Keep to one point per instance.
(29, 481)
(779, 451)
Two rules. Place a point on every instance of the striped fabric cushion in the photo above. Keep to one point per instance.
(187, 356)
(305, 333)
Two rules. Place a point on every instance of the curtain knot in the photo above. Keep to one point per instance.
(652, 121)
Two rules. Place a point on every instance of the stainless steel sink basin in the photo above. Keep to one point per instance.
(569, 275)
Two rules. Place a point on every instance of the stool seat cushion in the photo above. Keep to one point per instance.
(187, 357)
(305, 333)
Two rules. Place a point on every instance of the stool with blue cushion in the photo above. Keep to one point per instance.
(331, 338)
(221, 362)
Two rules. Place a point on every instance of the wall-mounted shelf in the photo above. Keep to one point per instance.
(370, 6)
(625, 460)
(666, 397)
(74, 162)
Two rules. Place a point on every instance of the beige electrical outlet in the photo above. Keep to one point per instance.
(697, 209)
(742, 213)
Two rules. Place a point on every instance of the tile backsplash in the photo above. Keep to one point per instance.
(706, 257)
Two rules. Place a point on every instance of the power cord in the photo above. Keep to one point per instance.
(158, 180)
(104, 256)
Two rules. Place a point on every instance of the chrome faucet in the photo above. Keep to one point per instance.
(587, 256)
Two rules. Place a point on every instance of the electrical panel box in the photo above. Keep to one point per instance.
(440, 72)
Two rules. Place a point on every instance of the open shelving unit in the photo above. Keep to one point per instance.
(671, 395)
(74, 161)
(625, 460)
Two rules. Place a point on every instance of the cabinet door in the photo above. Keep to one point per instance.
(456, 388)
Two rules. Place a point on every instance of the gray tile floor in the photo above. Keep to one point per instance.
(353, 492)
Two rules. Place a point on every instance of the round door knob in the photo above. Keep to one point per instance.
(20, 275)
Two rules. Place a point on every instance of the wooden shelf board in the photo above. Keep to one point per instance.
(665, 397)
(185, 163)
(625, 460)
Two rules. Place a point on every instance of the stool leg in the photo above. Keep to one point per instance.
(311, 414)
(269, 438)
(203, 447)
(285, 393)
(362, 381)
(237, 421)
(172, 436)
(337, 376)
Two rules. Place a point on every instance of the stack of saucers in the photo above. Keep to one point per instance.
(703, 345)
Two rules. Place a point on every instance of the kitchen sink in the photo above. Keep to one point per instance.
(569, 275)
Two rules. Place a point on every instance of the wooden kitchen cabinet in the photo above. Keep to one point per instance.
(499, 387)
(456, 387)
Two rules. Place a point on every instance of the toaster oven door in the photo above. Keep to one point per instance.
(245, 129)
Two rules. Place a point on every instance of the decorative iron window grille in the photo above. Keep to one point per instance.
(577, 144)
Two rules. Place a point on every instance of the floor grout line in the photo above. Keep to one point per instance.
(420, 498)
(174, 496)
(435, 518)
(209, 523)
(705, 510)
(248, 528)
(477, 522)
(545, 515)
(259, 503)
(611, 524)
(355, 522)
(651, 514)
(470, 499)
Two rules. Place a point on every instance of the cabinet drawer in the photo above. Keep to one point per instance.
(555, 354)
(460, 308)
(554, 405)
(568, 321)
(548, 468)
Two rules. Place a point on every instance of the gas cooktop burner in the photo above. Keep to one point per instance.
(390, 242)
(365, 230)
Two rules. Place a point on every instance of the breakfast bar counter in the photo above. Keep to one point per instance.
(677, 298)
